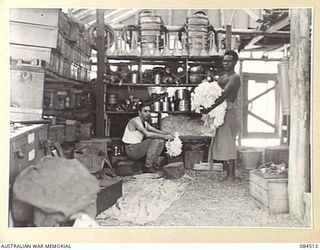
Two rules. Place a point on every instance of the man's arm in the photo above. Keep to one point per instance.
(149, 134)
(150, 128)
(233, 82)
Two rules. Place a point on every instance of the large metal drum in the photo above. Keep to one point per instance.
(197, 32)
(150, 28)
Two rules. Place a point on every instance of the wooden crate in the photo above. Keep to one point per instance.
(110, 192)
(28, 53)
(49, 16)
(56, 133)
(26, 147)
(26, 92)
(270, 193)
(35, 35)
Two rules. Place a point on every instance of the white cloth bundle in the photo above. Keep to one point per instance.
(174, 148)
(204, 96)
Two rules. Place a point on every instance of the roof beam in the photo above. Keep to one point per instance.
(124, 16)
(253, 15)
(107, 16)
(273, 27)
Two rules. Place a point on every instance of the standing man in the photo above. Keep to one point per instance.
(224, 147)
(151, 147)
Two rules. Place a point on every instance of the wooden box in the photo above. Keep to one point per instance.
(270, 193)
(174, 170)
(26, 92)
(110, 192)
(56, 133)
(26, 147)
(49, 16)
(72, 130)
(28, 53)
(35, 35)
(192, 157)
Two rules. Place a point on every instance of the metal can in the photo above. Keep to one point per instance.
(184, 105)
(157, 78)
(134, 77)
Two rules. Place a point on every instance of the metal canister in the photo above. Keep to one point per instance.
(184, 105)
(182, 94)
(112, 98)
(134, 77)
(157, 78)
(156, 106)
(165, 105)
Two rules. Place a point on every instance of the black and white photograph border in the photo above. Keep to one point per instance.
(78, 80)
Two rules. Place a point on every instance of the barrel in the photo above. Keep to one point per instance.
(197, 32)
(150, 27)
(283, 76)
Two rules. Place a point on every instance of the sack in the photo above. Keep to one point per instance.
(91, 157)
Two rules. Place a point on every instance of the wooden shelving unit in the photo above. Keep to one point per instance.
(145, 82)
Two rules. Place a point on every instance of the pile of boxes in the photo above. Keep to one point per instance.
(52, 36)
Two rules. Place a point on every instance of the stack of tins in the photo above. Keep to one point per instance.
(183, 99)
(197, 32)
(150, 29)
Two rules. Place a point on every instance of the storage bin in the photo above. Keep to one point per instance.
(72, 130)
(191, 158)
(250, 158)
(26, 148)
(85, 131)
(277, 154)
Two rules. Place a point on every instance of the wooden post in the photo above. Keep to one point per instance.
(299, 78)
(100, 74)
(228, 37)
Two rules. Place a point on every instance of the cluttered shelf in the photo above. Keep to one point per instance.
(163, 58)
(149, 85)
(53, 77)
(110, 112)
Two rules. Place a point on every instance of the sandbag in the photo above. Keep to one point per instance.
(57, 188)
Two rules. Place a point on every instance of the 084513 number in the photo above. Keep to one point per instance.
(309, 245)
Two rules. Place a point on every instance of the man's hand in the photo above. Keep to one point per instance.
(169, 137)
(205, 110)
